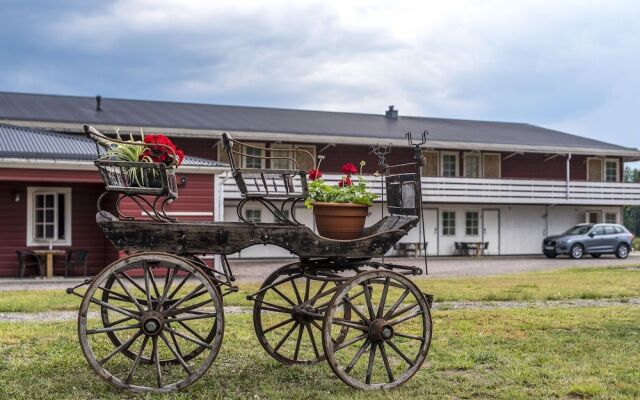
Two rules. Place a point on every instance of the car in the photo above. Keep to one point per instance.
(593, 239)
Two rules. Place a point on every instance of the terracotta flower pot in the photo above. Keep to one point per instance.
(343, 221)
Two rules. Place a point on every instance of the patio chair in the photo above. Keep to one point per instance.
(485, 249)
(76, 257)
(458, 249)
(28, 259)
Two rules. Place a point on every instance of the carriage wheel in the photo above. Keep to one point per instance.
(390, 331)
(114, 336)
(287, 314)
(161, 309)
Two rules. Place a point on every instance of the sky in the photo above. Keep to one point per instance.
(570, 65)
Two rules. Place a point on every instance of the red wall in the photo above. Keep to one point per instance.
(85, 234)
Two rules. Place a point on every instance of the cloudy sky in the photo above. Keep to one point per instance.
(569, 65)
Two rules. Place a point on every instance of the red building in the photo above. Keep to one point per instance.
(509, 184)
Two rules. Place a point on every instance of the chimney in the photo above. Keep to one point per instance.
(391, 113)
(98, 103)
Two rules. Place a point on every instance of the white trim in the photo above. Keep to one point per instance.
(449, 153)
(604, 166)
(632, 154)
(31, 192)
(479, 157)
(499, 164)
(66, 165)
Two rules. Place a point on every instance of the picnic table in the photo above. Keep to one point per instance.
(477, 247)
(47, 255)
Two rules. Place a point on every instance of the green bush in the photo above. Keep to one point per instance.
(636, 243)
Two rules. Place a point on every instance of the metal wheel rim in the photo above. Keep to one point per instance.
(577, 251)
(272, 349)
(622, 251)
(339, 369)
(116, 381)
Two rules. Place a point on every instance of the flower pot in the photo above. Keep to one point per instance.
(342, 221)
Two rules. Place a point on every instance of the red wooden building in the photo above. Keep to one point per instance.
(509, 184)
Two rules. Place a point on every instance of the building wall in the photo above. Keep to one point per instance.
(85, 234)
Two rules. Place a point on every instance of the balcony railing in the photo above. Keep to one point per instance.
(506, 191)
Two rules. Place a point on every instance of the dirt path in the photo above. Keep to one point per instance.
(57, 316)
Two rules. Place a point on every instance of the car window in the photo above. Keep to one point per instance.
(579, 230)
(618, 229)
(598, 230)
(609, 230)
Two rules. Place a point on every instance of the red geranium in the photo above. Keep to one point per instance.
(346, 181)
(161, 149)
(314, 174)
(349, 169)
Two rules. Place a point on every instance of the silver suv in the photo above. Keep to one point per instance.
(593, 239)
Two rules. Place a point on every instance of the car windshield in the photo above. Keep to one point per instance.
(579, 230)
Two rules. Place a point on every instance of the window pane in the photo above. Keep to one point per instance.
(61, 216)
(39, 201)
(49, 231)
(449, 165)
(253, 162)
(39, 232)
(49, 200)
(611, 171)
(610, 218)
(48, 215)
(472, 166)
(472, 219)
(448, 223)
(252, 215)
(39, 216)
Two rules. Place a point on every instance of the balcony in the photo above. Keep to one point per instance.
(506, 191)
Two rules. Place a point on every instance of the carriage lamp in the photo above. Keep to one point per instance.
(183, 181)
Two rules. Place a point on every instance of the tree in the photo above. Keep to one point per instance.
(631, 218)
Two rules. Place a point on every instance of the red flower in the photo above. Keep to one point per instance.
(314, 174)
(349, 169)
(162, 150)
(346, 181)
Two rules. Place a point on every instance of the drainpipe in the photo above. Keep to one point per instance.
(218, 210)
(568, 175)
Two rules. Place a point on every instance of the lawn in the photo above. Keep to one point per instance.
(577, 283)
(507, 354)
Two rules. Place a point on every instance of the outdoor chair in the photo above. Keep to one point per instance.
(458, 250)
(76, 257)
(28, 259)
(485, 249)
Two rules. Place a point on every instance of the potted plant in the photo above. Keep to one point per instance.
(157, 149)
(340, 210)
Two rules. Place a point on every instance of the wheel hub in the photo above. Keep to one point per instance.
(380, 330)
(304, 313)
(152, 323)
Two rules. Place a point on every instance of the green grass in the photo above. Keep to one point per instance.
(504, 354)
(577, 283)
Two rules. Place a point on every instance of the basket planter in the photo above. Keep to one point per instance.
(344, 221)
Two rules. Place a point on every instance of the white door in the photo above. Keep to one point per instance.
(491, 231)
(431, 230)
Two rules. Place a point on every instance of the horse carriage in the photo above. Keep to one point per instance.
(153, 321)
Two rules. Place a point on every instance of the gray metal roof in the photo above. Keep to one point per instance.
(157, 114)
(27, 143)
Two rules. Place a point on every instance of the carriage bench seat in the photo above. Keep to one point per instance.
(230, 237)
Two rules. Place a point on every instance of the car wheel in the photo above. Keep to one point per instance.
(550, 255)
(596, 255)
(577, 251)
(622, 251)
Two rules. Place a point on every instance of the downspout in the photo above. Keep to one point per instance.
(218, 210)
(568, 176)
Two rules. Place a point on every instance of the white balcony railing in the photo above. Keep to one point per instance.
(506, 191)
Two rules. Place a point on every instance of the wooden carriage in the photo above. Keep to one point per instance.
(153, 321)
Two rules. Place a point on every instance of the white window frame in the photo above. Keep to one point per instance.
(479, 157)
(607, 213)
(246, 211)
(449, 153)
(281, 151)
(31, 193)
(455, 223)
(499, 163)
(587, 212)
(604, 166)
(466, 226)
(244, 158)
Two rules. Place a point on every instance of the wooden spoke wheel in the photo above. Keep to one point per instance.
(151, 322)
(287, 315)
(389, 330)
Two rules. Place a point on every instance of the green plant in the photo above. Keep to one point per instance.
(346, 191)
(636, 244)
(131, 151)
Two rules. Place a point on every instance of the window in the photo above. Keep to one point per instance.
(431, 166)
(598, 231)
(472, 219)
(611, 170)
(611, 218)
(448, 223)
(472, 165)
(491, 165)
(609, 230)
(449, 164)
(48, 216)
(283, 150)
(253, 215)
(253, 162)
(593, 217)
